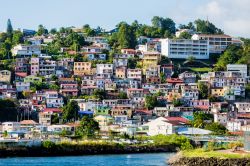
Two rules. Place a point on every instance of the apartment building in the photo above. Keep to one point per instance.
(26, 50)
(121, 72)
(150, 59)
(134, 74)
(217, 43)
(82, 68)
(104, 70)
(184, 48)
(34, 69)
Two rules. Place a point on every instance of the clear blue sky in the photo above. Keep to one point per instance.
(230, 15)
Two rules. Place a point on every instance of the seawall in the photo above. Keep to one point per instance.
(86, 149)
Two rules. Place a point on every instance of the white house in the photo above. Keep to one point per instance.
(237, 67)
(11, 126)
(159, 126)
(104, 69)
(26, 50)
(184, 48)
(233, 125)
(53, 100)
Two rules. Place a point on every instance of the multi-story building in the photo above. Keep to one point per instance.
(82, 68)
(5, 76)
(22, 86)
(26, 50)
(121, 72)
(69, 89)
(47, 67)
(134, 74)
(227, 78)
(184, 48)
(217, 43)
(120, 60)
(242, 107)
(34, 66)
(150, 59)
(104, 70)
(188, 77)
(22, 65)
(45, 118)
(53, 100)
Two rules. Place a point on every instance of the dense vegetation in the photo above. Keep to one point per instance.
(234, 54)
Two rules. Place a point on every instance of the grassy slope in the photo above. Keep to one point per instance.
(216, 154)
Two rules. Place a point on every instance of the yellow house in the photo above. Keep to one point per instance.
(150, 59)
(121, 110)
(217, 92)
(104, 120)
(82, 68)
(5, 76)
(120, 72)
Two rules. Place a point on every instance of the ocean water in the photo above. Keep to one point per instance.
(149, 159)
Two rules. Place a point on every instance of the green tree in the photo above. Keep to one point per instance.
(203, 90)
(177, 102)
(132, 63)
(190, 25)
(8, 111)
(9, 29)
(88, 30)
(165, 24)
(162, 77)
(17, 37)
(53, 31)
(216, 128)
(70, 111)
(41, 30)
(100, 94)
(122, 95)
(230, 56)
(206, 27)
(199, 119)
(185, 35)
(151, 101)
(88, 127)
(126, 36)
(190, 59)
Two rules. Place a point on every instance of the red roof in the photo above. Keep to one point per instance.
(203, 107)
(174, 80)
(143, 112)
(177, 119)
(54, 110)
(21, 74)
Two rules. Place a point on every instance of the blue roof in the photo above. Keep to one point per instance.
(85, 112)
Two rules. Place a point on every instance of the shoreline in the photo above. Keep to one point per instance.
(79, 150)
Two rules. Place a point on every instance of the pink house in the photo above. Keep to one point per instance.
(34, 69)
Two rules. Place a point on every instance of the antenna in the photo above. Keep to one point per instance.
(207, 22)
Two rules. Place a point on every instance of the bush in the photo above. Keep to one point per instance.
(180, 141)
(48, 144)
(232, 145)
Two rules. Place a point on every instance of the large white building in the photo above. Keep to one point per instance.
(217, 43)
(184, 48)
(26, 50)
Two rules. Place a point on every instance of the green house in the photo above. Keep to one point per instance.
(32, 79)
(102, 110)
